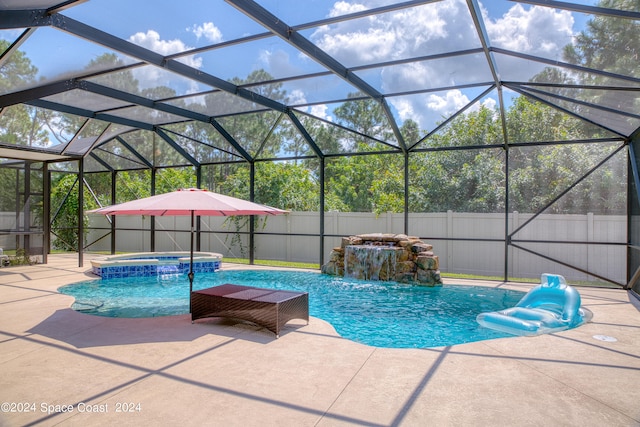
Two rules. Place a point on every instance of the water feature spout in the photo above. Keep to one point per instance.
(393, 257)
(370, 262)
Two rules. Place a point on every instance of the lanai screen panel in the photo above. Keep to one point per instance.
(475, 85)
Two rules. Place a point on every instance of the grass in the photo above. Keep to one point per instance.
(306, 265)
(454, 276)
(492, 278)
(272, 263)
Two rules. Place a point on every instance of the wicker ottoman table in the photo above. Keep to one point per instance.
(269, 308)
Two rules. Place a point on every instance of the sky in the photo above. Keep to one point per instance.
(167, 27)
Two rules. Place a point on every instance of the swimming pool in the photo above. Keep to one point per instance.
(380, 314)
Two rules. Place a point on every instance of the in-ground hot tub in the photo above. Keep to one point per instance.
(144, 264)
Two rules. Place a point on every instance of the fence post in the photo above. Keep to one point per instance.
(515, 254)
(590, 238)
(289, 241)
(450, 242)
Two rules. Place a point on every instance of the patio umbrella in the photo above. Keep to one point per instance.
(189, 202)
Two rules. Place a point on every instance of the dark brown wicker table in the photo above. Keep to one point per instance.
(269, 308)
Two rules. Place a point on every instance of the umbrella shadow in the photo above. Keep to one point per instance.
(84, 330)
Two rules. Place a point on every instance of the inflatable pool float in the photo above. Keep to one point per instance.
(550, 307)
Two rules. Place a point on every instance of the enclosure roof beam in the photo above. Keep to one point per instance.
(35, 154)
(42, 91)
(167, 108)
(528, 94)
(65, 5)
(453, 117)
(142, 101)
(135, 152)
(65, 146)
(363, 13)
(4, 56)
(561, 64)
(97, 158)
(39, 18)
(177, 147)
(339, 126)
(291, 36)
(592, 10)
(305, 134)
(231, 140)
(274, 24)
(87, 113)
(148, 56)
(578, 102)
(476, 16)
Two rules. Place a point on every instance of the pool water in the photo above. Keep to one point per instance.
(380, 314)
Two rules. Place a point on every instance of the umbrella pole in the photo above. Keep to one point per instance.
(190, 275)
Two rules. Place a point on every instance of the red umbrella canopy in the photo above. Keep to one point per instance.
(188, 201)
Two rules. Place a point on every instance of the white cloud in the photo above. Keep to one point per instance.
(320, 111)
(387, 36)
(277, 63)
(297, 97)
(446, 105)
(153, 76)
(151, 40)
(538, 31)
(432, 109)
(343, 8)
(405, 109)
(358, 47)
(208, 30)
(408, 77)
(489, 103)
(438, 28)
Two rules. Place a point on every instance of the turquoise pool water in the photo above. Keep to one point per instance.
(381, 314)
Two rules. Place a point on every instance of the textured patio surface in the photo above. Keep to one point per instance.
(60, 367)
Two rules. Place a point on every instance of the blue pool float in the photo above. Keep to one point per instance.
(550, 307)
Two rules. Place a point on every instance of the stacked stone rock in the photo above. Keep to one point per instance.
(414, 261)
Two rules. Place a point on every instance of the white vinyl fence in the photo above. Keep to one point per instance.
(16, 238)
(302, 244)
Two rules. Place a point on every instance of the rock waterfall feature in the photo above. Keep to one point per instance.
(393, 257)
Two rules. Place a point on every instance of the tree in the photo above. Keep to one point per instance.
(363, 182)
(62, 124)
(280, 184)
(17, 71)
(252, 128)
(541, 174)
(601, 47)
(19, 124)
(64, 199)
(611, 45)
(464, 180)
(367, 117)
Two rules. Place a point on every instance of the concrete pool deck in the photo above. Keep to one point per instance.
(60, 367)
